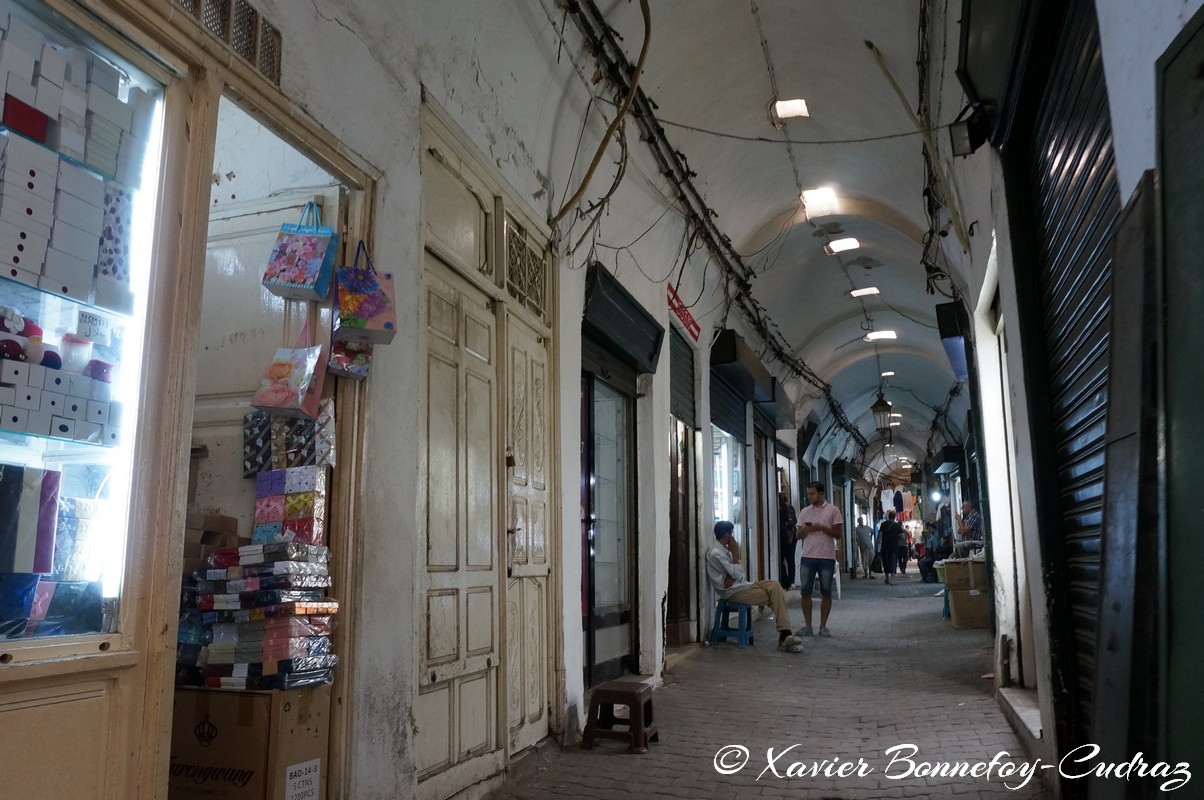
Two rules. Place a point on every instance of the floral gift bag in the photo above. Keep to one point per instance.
(364, 310)
(292, 383)
(302, 261)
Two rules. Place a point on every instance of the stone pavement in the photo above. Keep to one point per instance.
(893, 673)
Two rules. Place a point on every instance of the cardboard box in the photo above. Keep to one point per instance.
(16, 86)
(33, 179)
(13, 272)
(104, 75)
(80, 293)
(78, 242)
(25, 204)
(969, 608)
(79, 182)
(49, 97)
(237, 745)
(52, 65)
(24, 36)
(962, 573)
(61, 266)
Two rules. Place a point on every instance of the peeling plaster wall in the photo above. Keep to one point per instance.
(358, 67)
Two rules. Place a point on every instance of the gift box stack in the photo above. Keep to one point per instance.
(290, 506)
(258, 618)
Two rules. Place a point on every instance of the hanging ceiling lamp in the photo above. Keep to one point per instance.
(881, 412)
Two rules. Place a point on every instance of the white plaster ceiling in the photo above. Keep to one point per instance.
(706, 68)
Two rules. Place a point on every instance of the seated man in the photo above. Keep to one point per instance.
(727, 579)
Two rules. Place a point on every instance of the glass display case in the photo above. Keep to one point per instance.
(79, 155)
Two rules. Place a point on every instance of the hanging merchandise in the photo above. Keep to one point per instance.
(302, 261)
(364, 310)
(292, 383)
(350, 359)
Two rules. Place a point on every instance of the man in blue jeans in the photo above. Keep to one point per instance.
(820, 526)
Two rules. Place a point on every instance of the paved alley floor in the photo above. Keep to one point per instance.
(893, 674)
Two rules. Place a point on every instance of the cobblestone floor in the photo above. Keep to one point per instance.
(893, 673)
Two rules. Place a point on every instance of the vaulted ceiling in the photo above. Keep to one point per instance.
(711, 68)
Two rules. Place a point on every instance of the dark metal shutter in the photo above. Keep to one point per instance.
(598, 359)
(762, 424)
(727, 408)
(681, 379)
(1072, 175)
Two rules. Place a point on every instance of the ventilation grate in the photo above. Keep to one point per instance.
(216, 18)
(243, 29)
(269, 51)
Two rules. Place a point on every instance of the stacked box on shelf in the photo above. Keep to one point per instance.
(28, 177)
(258, 618)
(290, 506)
(49, 402)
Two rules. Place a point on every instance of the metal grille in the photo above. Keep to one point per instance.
(681, 379)
(216, 18)
(245, 30)
(526, 268)
(269, 51)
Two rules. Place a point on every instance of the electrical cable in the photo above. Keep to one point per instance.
(618, 120)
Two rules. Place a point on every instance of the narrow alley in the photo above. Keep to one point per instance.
(893, 673)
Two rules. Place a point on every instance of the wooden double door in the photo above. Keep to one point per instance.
(483, 615)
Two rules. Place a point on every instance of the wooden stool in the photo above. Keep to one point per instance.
(640, 724)
(742, 633)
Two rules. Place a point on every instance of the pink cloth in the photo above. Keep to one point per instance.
(819, 545)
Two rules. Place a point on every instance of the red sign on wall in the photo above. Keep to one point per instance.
(679, 309)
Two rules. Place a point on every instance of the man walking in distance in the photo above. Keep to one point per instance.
(888, 542)
(865, 547)
(820, 527)
(726, 577)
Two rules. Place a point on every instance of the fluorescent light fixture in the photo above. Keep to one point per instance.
(895, 424)
(840, 245)
(820, 202)
(888, 374)
(874, 336)
(785, 109)
(866, 292)
(896, 414)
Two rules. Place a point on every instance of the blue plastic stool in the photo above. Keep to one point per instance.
(743, 633)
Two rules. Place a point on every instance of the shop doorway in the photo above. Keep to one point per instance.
(260, 182)
(608, 494)
(682, 542)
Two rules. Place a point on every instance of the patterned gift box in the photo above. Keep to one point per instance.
(268, 484)
(306, 531)
(299, 506)
(256, 443)
(267, 533)
(270, 509)
(304, 479)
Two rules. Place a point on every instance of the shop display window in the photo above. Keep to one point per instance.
(79, 159)
(728, 465)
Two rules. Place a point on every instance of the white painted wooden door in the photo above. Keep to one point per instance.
(458, 641)
(528, 440)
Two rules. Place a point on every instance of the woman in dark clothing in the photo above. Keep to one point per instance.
(888, 545)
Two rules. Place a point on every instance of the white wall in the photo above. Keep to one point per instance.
(1133, 35)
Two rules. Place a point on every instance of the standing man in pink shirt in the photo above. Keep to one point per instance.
(820, 527)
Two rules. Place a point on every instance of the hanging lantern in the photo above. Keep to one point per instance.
(881, 411)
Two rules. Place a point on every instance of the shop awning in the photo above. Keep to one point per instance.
(732, 358)
(779, 409)
(619, 322)
(951, 458)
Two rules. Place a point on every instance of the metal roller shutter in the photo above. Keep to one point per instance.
(728, 408)
(681, 379)
(1072, 175)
